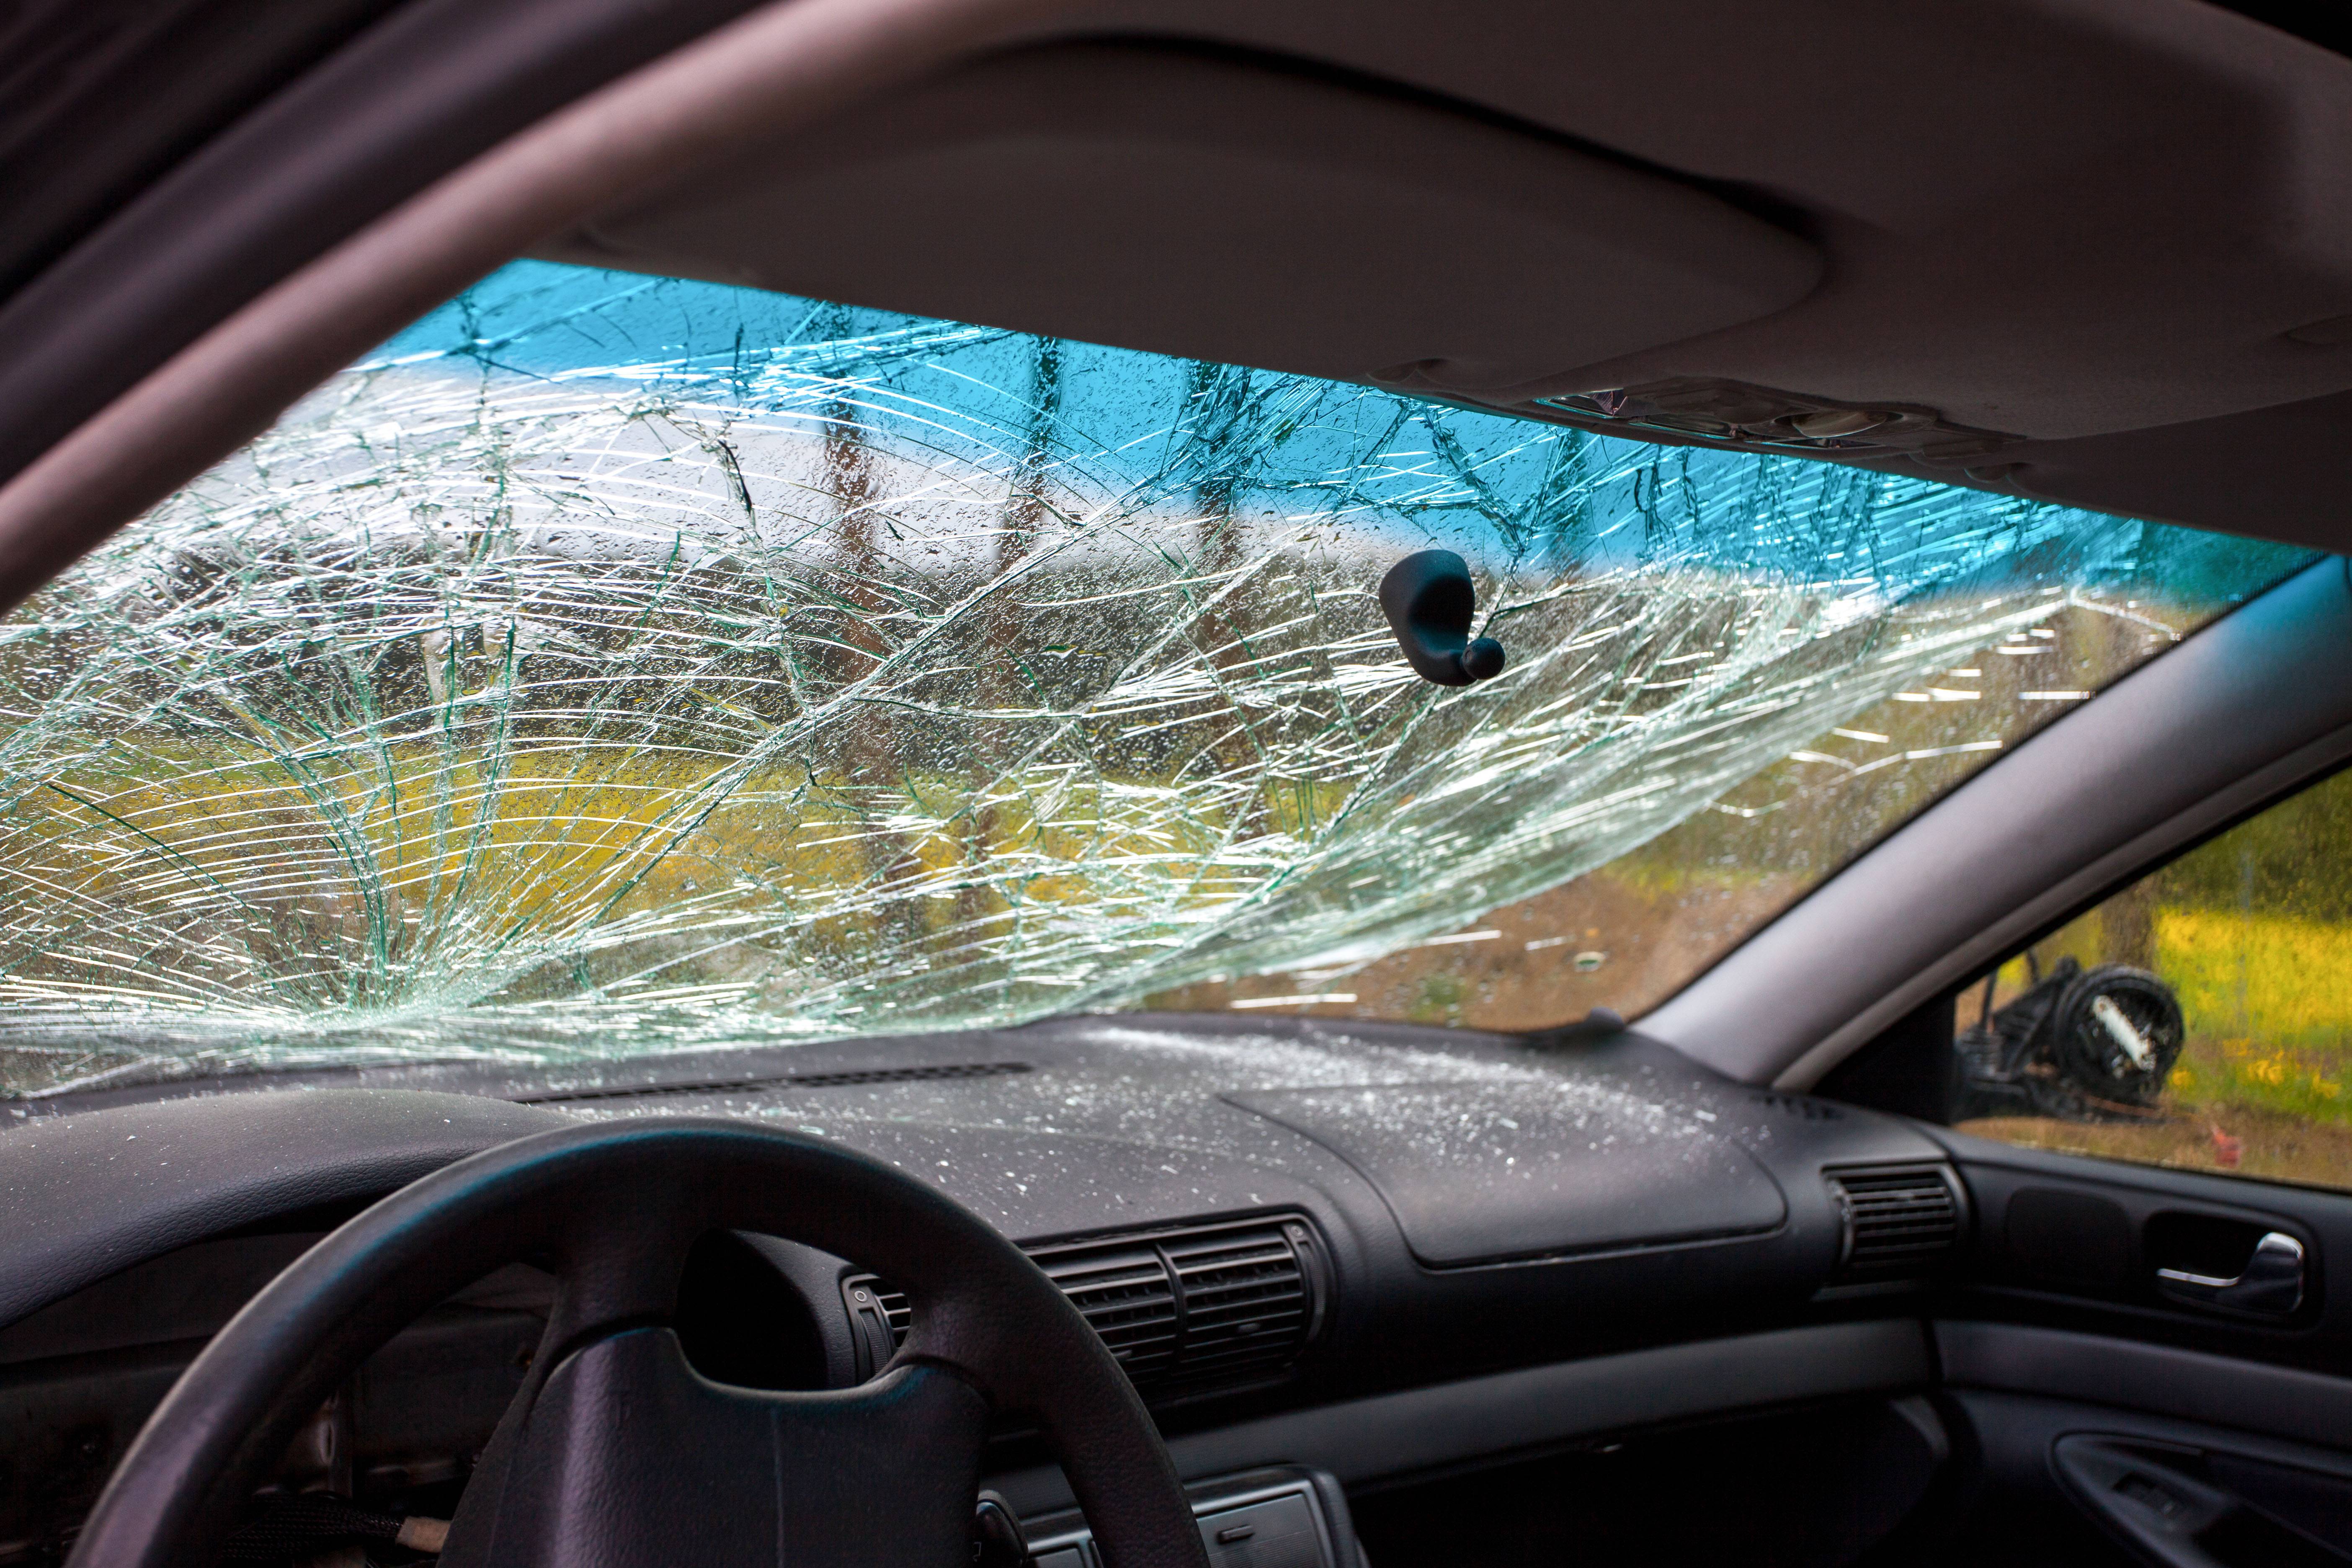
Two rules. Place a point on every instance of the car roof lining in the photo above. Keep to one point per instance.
(2015, 238)
(2016, 244)
(2050, 219)
(1117, 188)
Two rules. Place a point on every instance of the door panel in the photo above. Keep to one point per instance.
(2115, 1249)
(2154, 1114)
(2114, 1401)
(2104, 1373)
(2057, 1482)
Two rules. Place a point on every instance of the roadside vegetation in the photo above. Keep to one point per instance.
(1633, 931)
(2253, 933)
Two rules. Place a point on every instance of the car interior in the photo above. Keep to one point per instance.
(1099, 783)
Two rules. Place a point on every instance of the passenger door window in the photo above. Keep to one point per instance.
(2202, 1018)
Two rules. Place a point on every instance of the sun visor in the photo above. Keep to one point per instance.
(1203, 207)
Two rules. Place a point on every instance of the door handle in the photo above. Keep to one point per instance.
(2271, 1283)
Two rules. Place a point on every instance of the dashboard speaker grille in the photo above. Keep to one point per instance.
(1899, 1222)
(1185, 1310)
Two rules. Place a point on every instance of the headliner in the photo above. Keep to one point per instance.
(2094, 250)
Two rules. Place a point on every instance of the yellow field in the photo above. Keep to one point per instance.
(2286, 983)
(374, 874)
(2269, 1013)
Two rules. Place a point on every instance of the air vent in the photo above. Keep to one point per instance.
(1899, 1222)
(1185, 1310)
(788, 1081)
(1248, 1303)
(1125, 1294)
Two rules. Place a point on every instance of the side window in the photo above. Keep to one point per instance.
(2202, 1018)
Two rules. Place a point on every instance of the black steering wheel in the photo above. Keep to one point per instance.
(617, 1454)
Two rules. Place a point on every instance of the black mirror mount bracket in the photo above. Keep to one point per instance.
(1429, 600)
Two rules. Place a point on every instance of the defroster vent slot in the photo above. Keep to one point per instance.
(1187, 1309)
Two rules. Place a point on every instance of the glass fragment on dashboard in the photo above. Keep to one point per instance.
(614, 663)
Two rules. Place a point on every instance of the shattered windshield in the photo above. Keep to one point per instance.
(613, 663)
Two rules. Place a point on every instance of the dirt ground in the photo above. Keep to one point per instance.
(1598, 941)
(2229, 1140)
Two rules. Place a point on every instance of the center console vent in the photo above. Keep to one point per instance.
(1185, 1310)
(1900, 1222)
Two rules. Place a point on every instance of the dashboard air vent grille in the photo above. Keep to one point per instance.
(1184, 1311)
(1898, 1222)
(1125, 1295)
(1246, 1308)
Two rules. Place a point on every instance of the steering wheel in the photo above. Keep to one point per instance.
(615, 1453)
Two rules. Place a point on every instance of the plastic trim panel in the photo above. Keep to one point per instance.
(2188, 1386)
(1450, 1424)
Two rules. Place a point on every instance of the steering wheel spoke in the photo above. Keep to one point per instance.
(628, 1458)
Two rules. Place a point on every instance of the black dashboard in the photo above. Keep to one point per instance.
(1373, 1250)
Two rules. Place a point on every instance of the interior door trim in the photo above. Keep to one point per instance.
(2188, 1386)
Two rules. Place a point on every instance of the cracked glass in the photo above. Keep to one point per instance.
(614, 664)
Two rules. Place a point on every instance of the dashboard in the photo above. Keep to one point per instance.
(1328, 1254)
